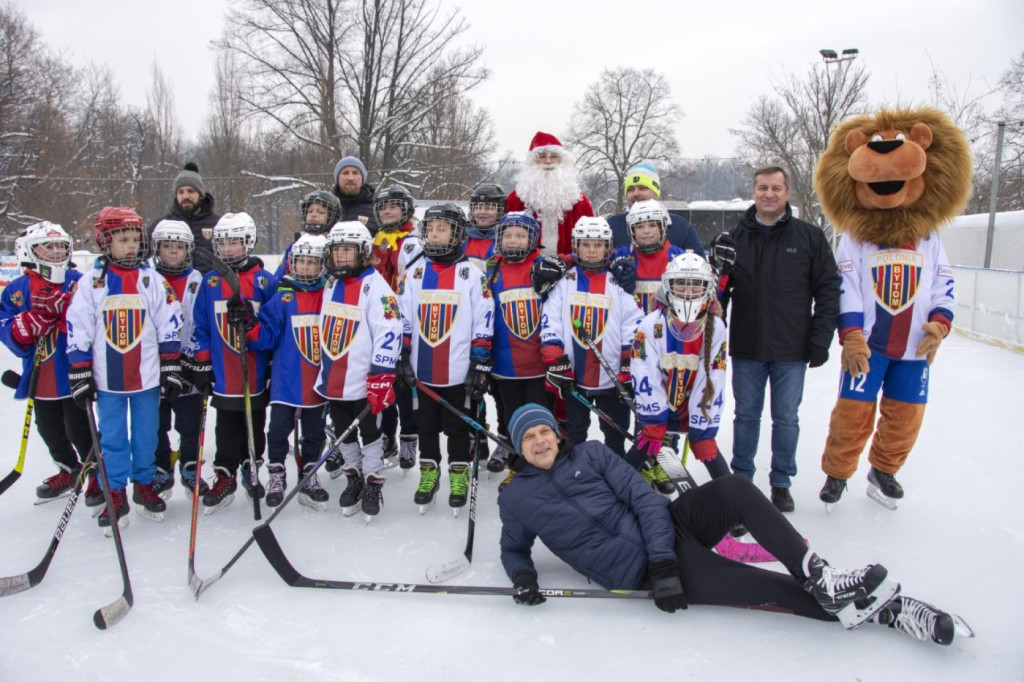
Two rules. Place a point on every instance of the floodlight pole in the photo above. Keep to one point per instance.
(994, 195)
(830, 57)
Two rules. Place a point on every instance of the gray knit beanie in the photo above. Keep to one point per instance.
(190, 177)
(350, 161)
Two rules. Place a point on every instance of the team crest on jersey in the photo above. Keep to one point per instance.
(145, 281)
(306, 333)
(437, 310)
(262, 282)
(288, 297)
(591, 311)
(339, 326)
(366, 288)
(417, 273)
(214, 281)
(680, 372)
(97, 282)
(124, 318)
(464, 273)
(571, 276)
(639, 346)
(520, 308)
(390, 306)
(896, 275)
(719, 361)
(228, 334)
(17, 299)
(645, 290)
(409, 246)
(192, 286)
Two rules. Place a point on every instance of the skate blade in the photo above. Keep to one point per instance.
(424, 508)
(96, 511)
(828, 507)
(455, 512)
(960, 627)
(369, 517)
(167, 494)
(207, 511)
(122, 523)
(875, 493)
(44, 500)
(350, 511)
(152, 516)
(859, 612)
(336, 474)
(390, 462)
(307, 501)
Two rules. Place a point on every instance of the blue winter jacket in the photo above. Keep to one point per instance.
(593, 511)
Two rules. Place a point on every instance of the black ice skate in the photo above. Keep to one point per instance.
(458, 480)
(163, 483)
(311, 493)
(372, 496)
(222, 492)
(58, 485)
(429, 481)
(498, 460)
(251, 484)
(188, 480)
(922, 621)
(120, 502)
(407, 452)
(277, 485)
(884, 489)
(349, 500)
(831, 492)
(390, 452)
(147, 502)
(851, 596)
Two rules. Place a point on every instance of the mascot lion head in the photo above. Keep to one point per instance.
(893, 177)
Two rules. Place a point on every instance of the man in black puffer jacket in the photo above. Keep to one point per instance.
(192, 205)
(355, 195)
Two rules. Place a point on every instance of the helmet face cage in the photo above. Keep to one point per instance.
(308, 248)
(487, 195)
(393, 196)
(453, 216)
(329, 202)
(644, 212)
(592, 229)
(229, 230)
(46, 248)
(519, 220)
(172, 232)
(689, 285)
(113, 221)
(350, 233)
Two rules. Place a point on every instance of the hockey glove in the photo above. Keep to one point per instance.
(668, 588)
(380, 392)
(527, 589)
(29, 326)
(623, 270)
(83, 386)
(625, 378)
(723, 253)
(704, 450)
(404, 376)
(198, 373)
(560, 380)
(477, 379)
(855, 353)
(934, 333)
(546, 272)
(170, 378)
(241, 314)
(816, 355)
(53, 303)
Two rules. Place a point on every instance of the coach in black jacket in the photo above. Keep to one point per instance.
(784, 295)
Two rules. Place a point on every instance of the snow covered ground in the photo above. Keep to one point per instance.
(957, 541)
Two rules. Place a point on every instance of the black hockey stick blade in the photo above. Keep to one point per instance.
(206, 258)
(10, 379)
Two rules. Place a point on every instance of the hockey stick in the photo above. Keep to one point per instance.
(473, 424)
(623, 393)
(195, 492)
(447, 571)
(271, 549)
(113, 613)
(19, 583)
(15, 473)
(199, 586)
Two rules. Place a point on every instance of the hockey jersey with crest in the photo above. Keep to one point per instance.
(479, 246)
(122, 321)
(669, 377)
(186, 288)
(52, 382)
(216, 341)
(517, 315)
(607, 314)
(447, 313)
(649, 269)
(891, 293)
(360, 334)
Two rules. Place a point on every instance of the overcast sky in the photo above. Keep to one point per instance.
(717, 56)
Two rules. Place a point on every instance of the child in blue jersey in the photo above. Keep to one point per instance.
(320, 211)
(220, 323)
(289, 327)
(32, 310)
(123, 324)
(173, 242)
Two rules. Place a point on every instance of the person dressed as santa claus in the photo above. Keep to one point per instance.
(549, 187)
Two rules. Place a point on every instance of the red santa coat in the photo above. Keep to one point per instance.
(581, 209)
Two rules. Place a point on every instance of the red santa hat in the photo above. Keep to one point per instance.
(543, 142)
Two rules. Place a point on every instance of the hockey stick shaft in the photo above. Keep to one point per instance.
(254, 474)
(271, 548)
(602, 415)
(199, 586)
(195, 490)
(113, 613)
(623, 393)
(473, 424)
(30, 404)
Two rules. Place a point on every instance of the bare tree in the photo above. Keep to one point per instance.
(1011, 179)
(625, 117)
(164, 119)
(791, 127)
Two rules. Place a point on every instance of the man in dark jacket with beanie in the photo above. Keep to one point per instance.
(355, 195)
(192, 205)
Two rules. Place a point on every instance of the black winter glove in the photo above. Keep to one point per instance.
(668, 588)
(527, 589)
(241, 314)
(478, 379)
(197, 373)
(404, 375)
(623, 269)
(723, 253)
(560, 379)
(546, 272)
(83, 386)
(816, 355)
(170, 378)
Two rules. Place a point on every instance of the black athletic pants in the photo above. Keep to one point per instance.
(578, 416)
(232, 437)
(187, 410)
(704, 515)
(343, 412)
(432, 418)
(311, 428)
(64, 427)
(399, 414)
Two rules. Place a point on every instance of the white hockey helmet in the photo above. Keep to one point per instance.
(311, 247)
(350, 232)
(178, 232)
(46, 248)
(644, 212)
(592, 228)
(235, 226)
(688, 285)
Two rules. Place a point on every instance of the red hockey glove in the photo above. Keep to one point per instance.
(28, 326)
(53, 303)
(380, 392)
(704, 450)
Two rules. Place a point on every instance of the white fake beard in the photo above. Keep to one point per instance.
(549, 193)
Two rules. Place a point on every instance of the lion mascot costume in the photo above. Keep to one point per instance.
(888, 181)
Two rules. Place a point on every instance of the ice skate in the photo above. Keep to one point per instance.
(120, 502)
(222, 492)
(334, 463)
(311, 493)
(498, 460)
(277, 485)
(372, 496)
(831, 492)
(148, 503)
(851, 596)
(349, 500)
(94, 494)
(458, 480)
(188, 480)
(884, 489)
(250, 483)
(922, 621)
(163, 483)
(58, 485)
(407, 451)
(390, 452)
(429, 475)
(655, 475)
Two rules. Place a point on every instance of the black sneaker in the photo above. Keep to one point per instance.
(782, 500)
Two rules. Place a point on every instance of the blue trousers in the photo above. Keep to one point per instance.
(124, 457)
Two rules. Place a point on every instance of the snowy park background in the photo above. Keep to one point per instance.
(957, 541)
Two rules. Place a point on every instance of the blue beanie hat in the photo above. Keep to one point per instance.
(527, 416)
(350, 161)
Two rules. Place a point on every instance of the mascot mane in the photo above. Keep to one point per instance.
(895, 176)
